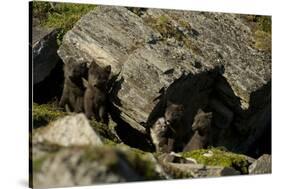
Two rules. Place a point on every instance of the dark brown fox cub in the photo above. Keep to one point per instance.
(174, 114)
(201, 127)
(73, 90)
(163, 129)
(96, 94)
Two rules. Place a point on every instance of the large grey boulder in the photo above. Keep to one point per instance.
(54, 166)
(118, 37)
(181, 56)
(261, 165)
(73, 130)
(44, 52)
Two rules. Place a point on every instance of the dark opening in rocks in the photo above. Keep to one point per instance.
(51, 87)
(246, 131)
(130, 136)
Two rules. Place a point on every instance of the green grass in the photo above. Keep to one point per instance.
(219, 158)
(61, 15)
(45, 113)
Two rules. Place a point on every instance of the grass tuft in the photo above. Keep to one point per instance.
(45, 113)
(60, 15)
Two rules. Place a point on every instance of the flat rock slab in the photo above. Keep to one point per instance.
(199, 170)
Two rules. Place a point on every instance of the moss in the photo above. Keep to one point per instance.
(110, 156)
(164, 26)
(185, 24)
(261, 29)
(105, 131)
(105, 155)
(60, 15)
(264, 23)
(37, 164)
(263, 41)
(192, 46)
(219, 158)
(43, 114)
(142, 164)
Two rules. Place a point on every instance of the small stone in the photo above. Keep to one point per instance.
(209, 154)
(261, 165)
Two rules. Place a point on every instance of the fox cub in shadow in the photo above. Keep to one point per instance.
(96, 94)
(163, 130)
(201, 127)
(73, 89)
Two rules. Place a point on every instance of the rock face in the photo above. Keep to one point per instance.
(46, 64)
(261, 165)
(44, 51)
(68, 131)
(196, 59)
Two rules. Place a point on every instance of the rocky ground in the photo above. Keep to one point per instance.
(217, 61)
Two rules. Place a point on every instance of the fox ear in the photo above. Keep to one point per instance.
(169, 103)
(209, 115)
(181, 107)
(93, 65)
(85, 82)
(108, 68)
(84, 64)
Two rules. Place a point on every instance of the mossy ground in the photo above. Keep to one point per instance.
(219, 158)
(59, 15)
(44, 113)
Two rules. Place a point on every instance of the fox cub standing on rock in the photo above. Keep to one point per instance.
(96, 94)
(73, 89)
(201, 127)
(163, 129)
